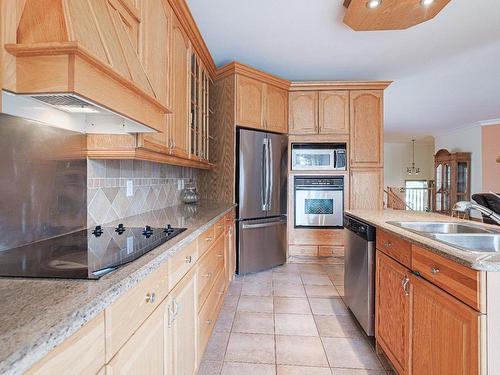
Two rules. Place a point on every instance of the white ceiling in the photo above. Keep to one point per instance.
(446, 71)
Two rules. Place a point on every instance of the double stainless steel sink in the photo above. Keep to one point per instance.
(463, 236)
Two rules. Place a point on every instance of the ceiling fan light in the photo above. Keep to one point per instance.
(372, 4)
(426, 3)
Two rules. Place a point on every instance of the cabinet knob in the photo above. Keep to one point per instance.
(435, 270)
(189, 259)
(208, 321)
(209, 239)
(150, 297)
(220, 255)
(221, 293)
(405, 283)
(387, 244)
(208, 275)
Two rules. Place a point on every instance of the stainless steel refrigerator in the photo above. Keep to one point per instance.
(261, 190)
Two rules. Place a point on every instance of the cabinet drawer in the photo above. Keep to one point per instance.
(209, 267)
(331, 251)
(82, 353)
(125, 315)
(205, 240)
(462, 282)
(219, 227)
(395, 247)
(303, 250)
(181, 263)
(208, 314)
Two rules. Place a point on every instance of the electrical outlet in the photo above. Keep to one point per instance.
(130, 188)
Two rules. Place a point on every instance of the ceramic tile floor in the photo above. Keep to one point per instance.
(290, 321)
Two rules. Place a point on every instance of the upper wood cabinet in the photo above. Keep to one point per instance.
(276, 118)
(333, 112)
(303, 112)
(249, 102)
(366, 188)
(261, 99)
(392, 311)
(445, 332)
(366, 126)
(181, 57)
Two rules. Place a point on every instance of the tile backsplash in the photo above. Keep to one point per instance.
(155, 186)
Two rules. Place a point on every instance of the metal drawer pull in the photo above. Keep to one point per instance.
(220, 255)
(209, 239)
(208, 322)
(405, 282)
(387, 244)
(151, 297)
(221, 293)
(208, 274)
(189, 259)
(435, 270)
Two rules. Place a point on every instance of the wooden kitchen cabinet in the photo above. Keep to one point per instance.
(249, 102)
(366, 128)
(181, 56)
(445, 332)
(276, 119)
(303, 112)
(181, 315)
(145, 352)
(333, 110)
(366, 188)
(392, 306)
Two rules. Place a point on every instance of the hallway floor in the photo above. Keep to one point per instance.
(290, 321)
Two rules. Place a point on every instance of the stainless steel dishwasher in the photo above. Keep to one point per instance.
(359, 272)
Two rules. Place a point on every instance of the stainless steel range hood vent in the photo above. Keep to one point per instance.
(72, 112)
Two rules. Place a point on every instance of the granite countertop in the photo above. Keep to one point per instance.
(36, 315)
(379, 218)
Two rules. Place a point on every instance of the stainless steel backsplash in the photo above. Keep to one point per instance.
(43, 181)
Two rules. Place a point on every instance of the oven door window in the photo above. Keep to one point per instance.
(318, 206)
(314, 160)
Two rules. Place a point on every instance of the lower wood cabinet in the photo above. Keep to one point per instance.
(144, 352)
(392, 310)
(445, 332)
(181, 314)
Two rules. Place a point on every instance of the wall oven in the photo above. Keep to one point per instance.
(319, 156)
(319, 202)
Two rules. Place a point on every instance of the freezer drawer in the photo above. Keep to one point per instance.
(262, 244)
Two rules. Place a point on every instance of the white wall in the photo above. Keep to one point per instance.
(398, 156)
(465, 140)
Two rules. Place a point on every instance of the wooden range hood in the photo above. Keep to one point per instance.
(88, 48)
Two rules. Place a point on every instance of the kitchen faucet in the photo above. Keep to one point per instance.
(466, 206)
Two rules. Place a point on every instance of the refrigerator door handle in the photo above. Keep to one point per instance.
(263, 176)
(271, 175)
(263, 225)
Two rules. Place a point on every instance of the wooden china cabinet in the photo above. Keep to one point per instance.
(452, 176)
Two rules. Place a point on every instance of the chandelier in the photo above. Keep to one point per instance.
(413, 170)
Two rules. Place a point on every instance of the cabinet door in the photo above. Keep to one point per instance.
(366, 188)
(181, 328)
(249, 102)
(180, 91)
(445, 332)
(230, 252)
(303, 112)
(144, 351)
(155, 32)
(392, 311)
(276, 119)
(366, 123)
(334, 112)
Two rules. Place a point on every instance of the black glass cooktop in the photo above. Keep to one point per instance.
(87, 254)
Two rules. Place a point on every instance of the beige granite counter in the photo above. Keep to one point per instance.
(36, 315)
(379, 219)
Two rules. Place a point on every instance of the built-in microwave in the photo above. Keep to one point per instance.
(319, 156)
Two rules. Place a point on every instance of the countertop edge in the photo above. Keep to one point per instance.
(27, 356)
(480, 264)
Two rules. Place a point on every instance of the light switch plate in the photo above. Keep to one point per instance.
(130, 188)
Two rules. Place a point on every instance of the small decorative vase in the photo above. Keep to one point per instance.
(189, 195)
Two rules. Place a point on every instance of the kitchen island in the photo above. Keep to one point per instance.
(37, 315)
(437, 306)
